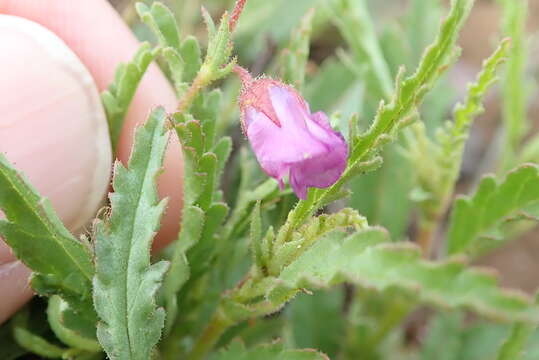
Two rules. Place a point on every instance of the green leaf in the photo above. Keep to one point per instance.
(516, 84)
(237, 351)
(438, 163)
(190, 52)
(125, 281)
(326, 330)
(285, 252)
(162, 22)
(454, 137)
(391, 206)
(443, 329)
(58, 313)
(400, 111)
(177, 276)
(513, 348)
(479, 216)
(60, 263)
(354, 21)
(363, 260)
(118, 96)
(329, 87)
(36, 344)
(293, 59)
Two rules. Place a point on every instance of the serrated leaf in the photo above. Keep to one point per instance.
(60, 263)
(237, 351)
(125, 281)
(438, 163)
(363, 260)
(117, 98)
(478, 216)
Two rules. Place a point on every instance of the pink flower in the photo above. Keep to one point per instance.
(287, 139)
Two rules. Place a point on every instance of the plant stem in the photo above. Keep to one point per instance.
(198, 84)
(207, 340)
(425, 236)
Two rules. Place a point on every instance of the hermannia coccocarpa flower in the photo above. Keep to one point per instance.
(287, 139)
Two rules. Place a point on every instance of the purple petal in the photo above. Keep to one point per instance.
(304, 147)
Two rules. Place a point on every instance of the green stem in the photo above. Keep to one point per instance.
(200, 82)
(426, 232)
(207, 340)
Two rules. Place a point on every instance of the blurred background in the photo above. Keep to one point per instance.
(404, 28)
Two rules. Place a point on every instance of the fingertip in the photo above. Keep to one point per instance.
(96, 33)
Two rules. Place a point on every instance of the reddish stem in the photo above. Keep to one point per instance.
(236, 13)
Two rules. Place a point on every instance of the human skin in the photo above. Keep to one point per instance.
(53, 156)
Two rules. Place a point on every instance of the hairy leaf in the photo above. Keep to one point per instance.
(478, 217)
(162, 22)
(362, 259)
(438, 163)
(61, 264)
(125, 281)
(267, 352)
(118, 96)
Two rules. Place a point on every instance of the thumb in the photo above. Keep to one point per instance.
(53, 129)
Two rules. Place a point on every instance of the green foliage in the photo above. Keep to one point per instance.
(36, 235)
(119, 94)
(293, 59)
(475, 220)
(325, 331)
(438, 162)
(286, 249)
(354, 22)
(204, 212)
(333, 74)
(182, 57)
(364, 259)
(515, 87)
(397, 113)
(514, 346)
(267, 352)
(125, 281)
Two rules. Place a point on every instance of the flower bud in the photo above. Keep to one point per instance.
(287, 139)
